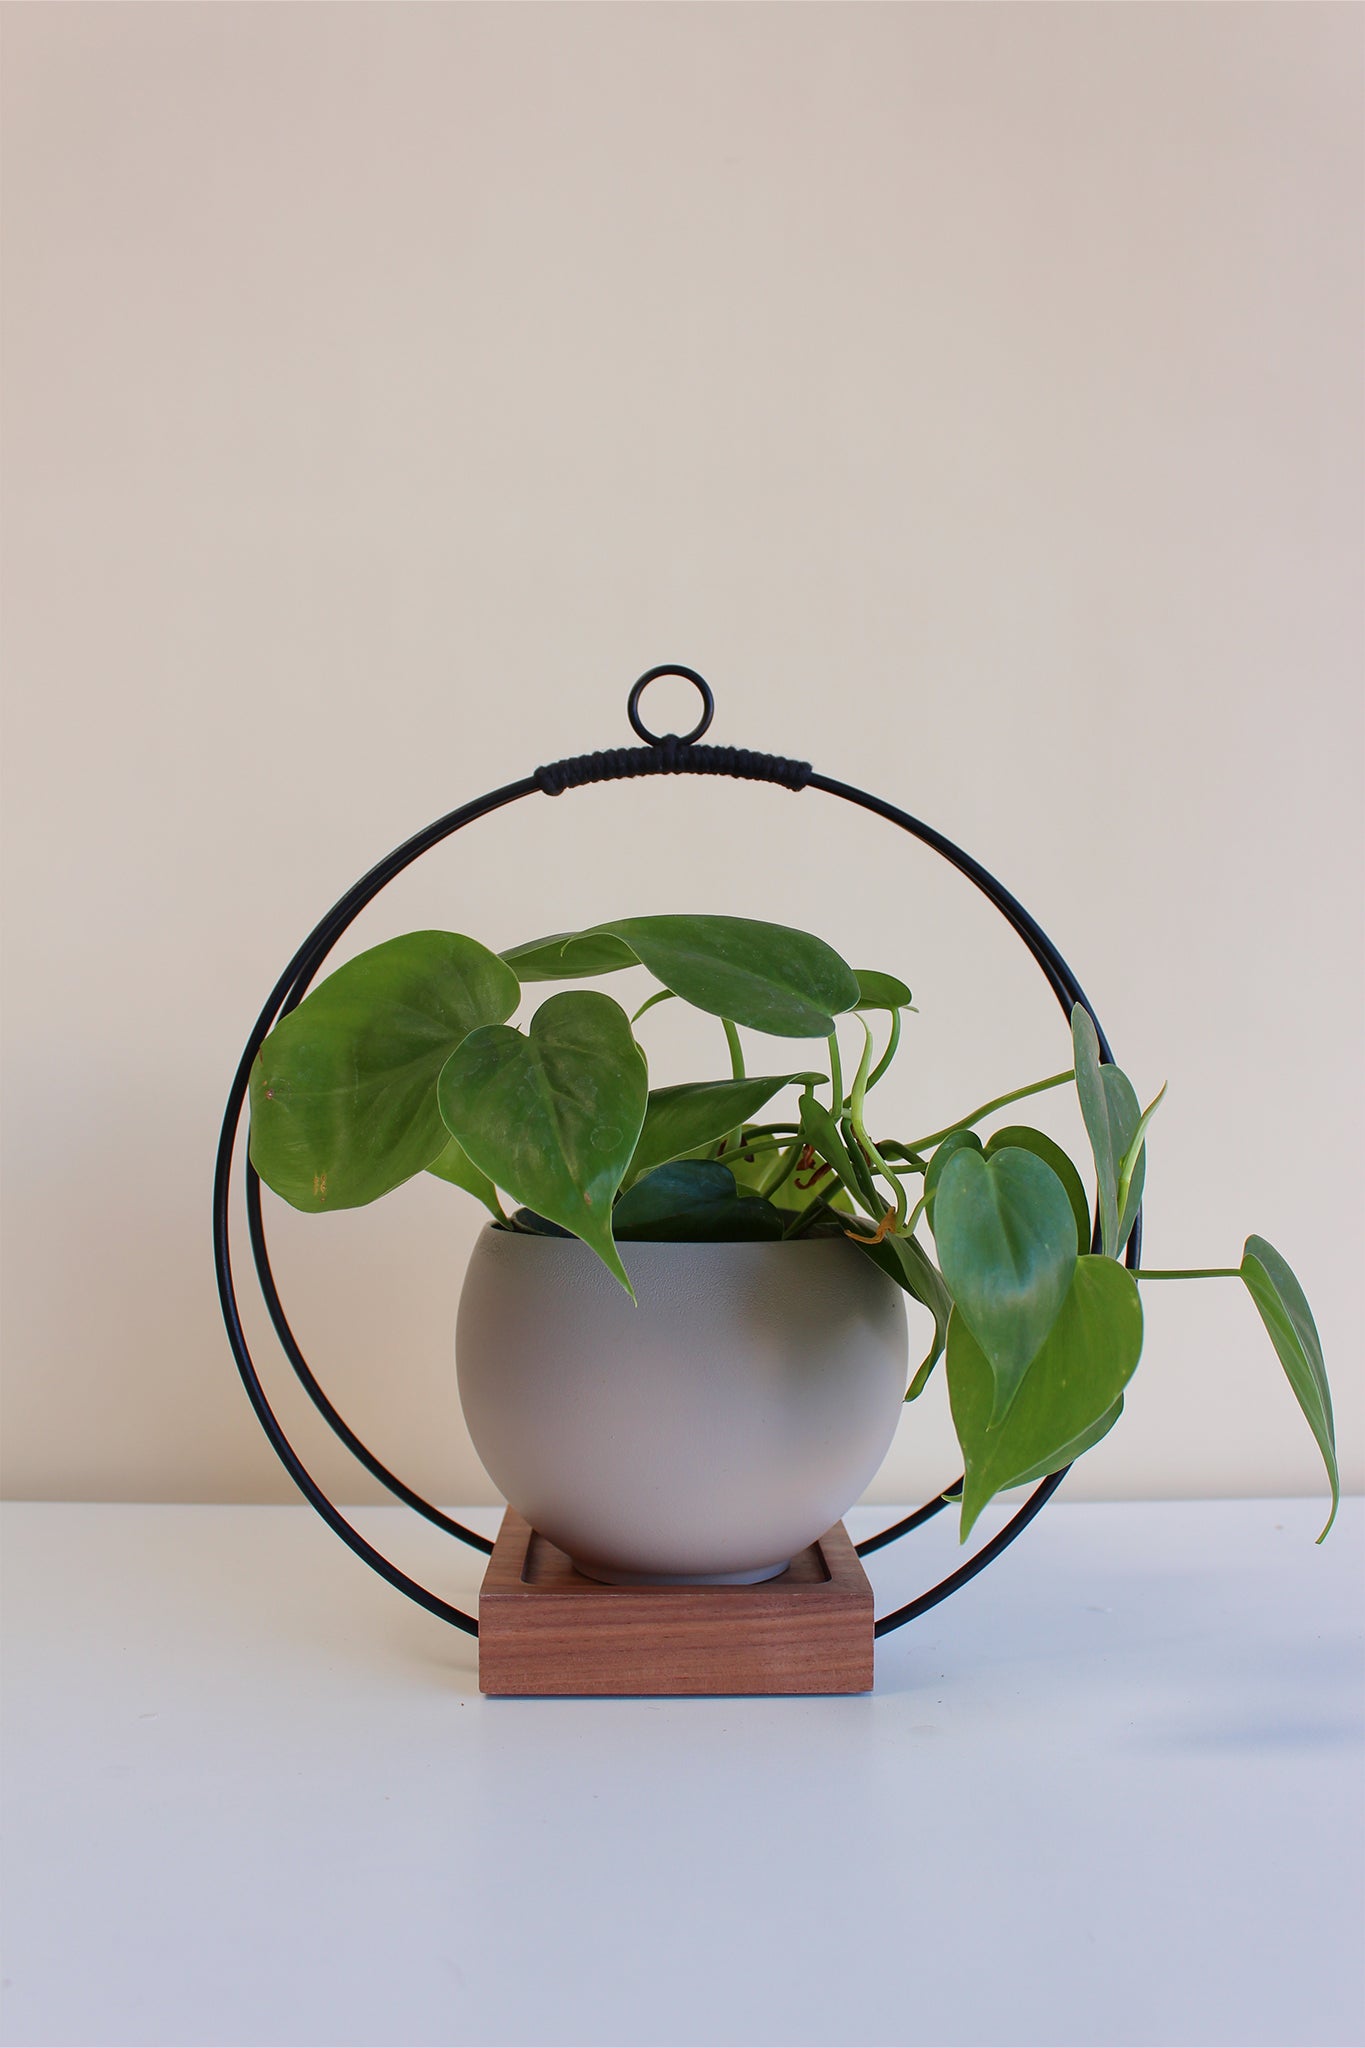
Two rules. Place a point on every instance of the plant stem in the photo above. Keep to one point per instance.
(1188, 1273)
(891, 1148)
(750, 1146)
(892, 1042)
(836, 1075)
(964, 1123)
(900, 1197)
(736, 1050)
(855, 1100)
(732, 1138)
(859, 1129)
(790, 1155)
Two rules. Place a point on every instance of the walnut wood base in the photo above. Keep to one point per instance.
(545, 1630)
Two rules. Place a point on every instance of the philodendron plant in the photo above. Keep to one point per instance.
(404, 1061)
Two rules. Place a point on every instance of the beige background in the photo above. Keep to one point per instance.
(972, 393)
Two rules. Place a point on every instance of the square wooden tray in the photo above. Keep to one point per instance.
(546, 1631)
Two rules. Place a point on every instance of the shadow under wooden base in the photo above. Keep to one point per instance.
(545, 1630)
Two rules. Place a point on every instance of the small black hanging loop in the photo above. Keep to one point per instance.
(656, 739)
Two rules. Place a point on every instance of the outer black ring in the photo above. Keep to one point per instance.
(286, 994)
(654, 739)
(289, 991)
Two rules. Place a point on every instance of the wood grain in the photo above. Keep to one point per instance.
(546, 1631)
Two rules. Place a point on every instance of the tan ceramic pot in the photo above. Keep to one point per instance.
(705, 1436)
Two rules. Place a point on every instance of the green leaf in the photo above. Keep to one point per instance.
(695, 1113)
(765, 976)
(1289, 1322)
(569, 956)
(553, 1115)
(1133, 1168)
(693, 1202)
(1085, 1046)
(1112, 1116)
(1006, 1240)
(343, 1091)
(1071, 1386)
(905, 1261)
(1077, 1448)
(956, 1141)
(1125, 1115)
(456, 1166)
(1026, 1139)
(823, 1135)
(881, 991)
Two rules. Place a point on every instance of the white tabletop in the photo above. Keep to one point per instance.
(1110, 1793)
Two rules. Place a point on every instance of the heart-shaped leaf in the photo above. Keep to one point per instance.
(678, 1120)
(343, 1091)
(553, 1114)
(1112, 1115)
(693, 1201)
(1006, 1240)
(1077, 1448)
(1289, 1322)
(956, 1141)
(765, 976)
(455, 1165)
(1071, 1386)
(904, 1260)
(878, 991)
(569, 956)
(1026, 1139)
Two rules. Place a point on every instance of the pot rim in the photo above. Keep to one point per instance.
(670, 1244)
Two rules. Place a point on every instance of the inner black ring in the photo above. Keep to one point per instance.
(654, 739)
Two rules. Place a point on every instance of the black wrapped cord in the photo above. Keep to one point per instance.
(670, 755)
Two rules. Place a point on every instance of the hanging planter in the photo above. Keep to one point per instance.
(682, 1347)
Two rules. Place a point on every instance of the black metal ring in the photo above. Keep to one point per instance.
(656, 739)
(290, 989)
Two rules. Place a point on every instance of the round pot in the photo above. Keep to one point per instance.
(705, 1436)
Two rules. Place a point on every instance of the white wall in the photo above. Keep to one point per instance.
(972, 393)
